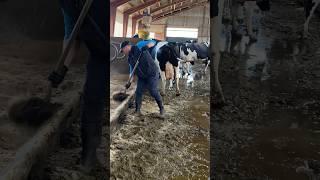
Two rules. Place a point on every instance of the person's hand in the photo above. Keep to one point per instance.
(56, 78)
(128, 84)
(144, 48)
(134, 78)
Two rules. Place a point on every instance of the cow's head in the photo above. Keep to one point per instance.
(186, 53)
(192, 54)
(207, 43)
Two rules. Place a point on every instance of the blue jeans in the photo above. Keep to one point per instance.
(93, 102)
(68, 24)
(151, 84)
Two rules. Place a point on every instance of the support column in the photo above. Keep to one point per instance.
(125, 24)
(134, 25)
(113, 12)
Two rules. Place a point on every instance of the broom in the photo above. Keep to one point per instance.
(35, 109)
(122, 95)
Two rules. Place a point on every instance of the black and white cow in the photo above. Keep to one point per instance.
(192, 51)
(186, 57)
(200, 51)
(164, 53)
(216, 13)
(241, 18)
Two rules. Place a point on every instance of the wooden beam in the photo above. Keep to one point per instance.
(113, 12)
(134, 25)
(171, 13)
(161, 8)
(130, 4)
(117, 3)
(125, 24)
(178, 8)
(141, 6)
(133, 10)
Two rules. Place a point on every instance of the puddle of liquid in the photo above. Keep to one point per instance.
(199, 144)
(277, 152)
(199, 111)
(288, 136)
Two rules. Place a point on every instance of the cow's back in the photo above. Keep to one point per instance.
(164, 54)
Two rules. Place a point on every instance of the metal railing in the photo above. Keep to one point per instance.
(115, 51)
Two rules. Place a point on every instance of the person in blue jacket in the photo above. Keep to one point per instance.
(147, 72)
(93, 33)
(150, 43)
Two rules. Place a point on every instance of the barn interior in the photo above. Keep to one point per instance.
(147, 147)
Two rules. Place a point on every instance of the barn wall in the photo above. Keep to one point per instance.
(35, 19)
(118, 28)
(158, 29)
(129, 31)
(33, 30)
(198, 17)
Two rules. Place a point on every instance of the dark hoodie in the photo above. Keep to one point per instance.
(146, 67)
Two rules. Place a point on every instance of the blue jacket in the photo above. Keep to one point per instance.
(143, 43)
(146, 67)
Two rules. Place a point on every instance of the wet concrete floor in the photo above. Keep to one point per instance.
(281, 94)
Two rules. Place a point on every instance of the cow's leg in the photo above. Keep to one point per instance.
(171, 84)
(163, 83)
(306, 24)
(185, 70)
(249, 18)
(188, 69)
(215, 20)
(208, 63)
(228, 38)
(176, 70)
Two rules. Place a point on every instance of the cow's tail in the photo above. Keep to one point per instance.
(174, 53)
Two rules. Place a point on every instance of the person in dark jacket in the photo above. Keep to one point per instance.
(147, 72)
(93, 33)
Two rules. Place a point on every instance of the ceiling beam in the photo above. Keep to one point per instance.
(179, 7)
(130, 4)
(130, 11)
(179, 10)
(141, 6)
(117, 3)
(160, 8)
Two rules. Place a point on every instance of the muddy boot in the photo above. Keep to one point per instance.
(138, 113)
(162, 113)
(91, 137)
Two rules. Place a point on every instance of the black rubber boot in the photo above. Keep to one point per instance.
(138, 113)
(162, 113)
(91, 138)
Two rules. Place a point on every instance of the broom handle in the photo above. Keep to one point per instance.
(134, 68)
(73, 36)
